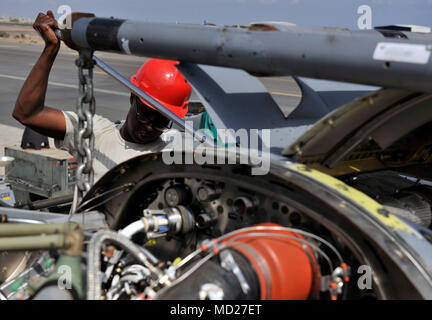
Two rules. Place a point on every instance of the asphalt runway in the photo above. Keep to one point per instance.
(17, 59)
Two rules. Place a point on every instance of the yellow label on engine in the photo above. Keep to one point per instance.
(357, 196)
(176, 261)
(150, 243)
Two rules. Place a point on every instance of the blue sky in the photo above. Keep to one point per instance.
(341, 13)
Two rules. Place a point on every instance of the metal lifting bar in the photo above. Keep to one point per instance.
(323, 53)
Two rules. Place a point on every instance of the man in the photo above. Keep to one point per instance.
(145, 129)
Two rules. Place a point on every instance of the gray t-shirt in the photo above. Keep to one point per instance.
(110, 148)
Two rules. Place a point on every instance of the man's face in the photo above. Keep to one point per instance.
(144, 124)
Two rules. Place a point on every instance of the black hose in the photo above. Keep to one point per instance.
(47, 203)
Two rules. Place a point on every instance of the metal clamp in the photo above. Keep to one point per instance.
(228, 263)
(334, 282)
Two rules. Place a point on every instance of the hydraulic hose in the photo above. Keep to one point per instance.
(132, 229)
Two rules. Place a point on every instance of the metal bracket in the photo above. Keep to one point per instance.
(228, 263)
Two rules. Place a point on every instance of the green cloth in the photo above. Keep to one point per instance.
(210, 130)
(209, 127)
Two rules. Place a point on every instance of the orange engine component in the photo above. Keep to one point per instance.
(286, 267)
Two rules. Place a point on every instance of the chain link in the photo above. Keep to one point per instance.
(84, 137)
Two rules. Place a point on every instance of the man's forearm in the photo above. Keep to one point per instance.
(30, 107)
(31, 98)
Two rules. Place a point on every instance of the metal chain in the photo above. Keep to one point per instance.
(84, 137)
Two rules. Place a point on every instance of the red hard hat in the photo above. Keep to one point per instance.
(162, 81)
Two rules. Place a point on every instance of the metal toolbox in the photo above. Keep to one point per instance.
(46, 172)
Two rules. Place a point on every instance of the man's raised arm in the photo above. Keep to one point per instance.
(30, 109)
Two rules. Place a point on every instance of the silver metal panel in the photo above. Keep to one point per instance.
(328, 132)
(230, 107)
